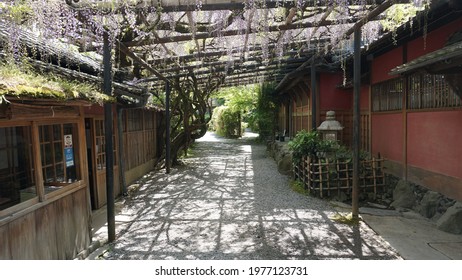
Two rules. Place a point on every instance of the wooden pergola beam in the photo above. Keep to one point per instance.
(139, 60)
(384, 5)
(248, 72)
(218, 66)
(204, 55)
(207, 5)
(233, 32)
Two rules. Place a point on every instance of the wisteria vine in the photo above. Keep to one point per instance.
(81, 24)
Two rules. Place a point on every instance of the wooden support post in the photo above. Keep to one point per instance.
(291, 118)
(404, 111)
(320, 177)
(167, 127)
(37, 162)
(121, 150)
(374, 175)
(328, 176)
(308, 172)
(108, 130)
(356, 120)
(313, 97)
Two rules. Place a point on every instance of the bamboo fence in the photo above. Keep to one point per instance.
(326, 177)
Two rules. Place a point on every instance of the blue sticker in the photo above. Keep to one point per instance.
(69, 153)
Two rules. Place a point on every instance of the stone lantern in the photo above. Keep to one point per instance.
(330, 127)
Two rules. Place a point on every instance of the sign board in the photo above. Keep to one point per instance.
(69, 155)
(68, 141)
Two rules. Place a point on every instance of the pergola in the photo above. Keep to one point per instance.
(228, 43)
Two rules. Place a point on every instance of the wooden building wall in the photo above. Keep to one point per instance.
(140, 143)
(94, 122)
(140, 140)
(56, 230)
(52, 220)
(301, 109)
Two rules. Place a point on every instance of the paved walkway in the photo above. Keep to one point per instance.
(229, 202)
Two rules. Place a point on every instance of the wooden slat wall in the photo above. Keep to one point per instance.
(150, 142)
(59, 230)
(101, 186)
(23, 242)
(345, 117)
(5, 253)
(134, 149)
(65, 227)
(46, 233)
(83, 220)
(140, 146)
(17, 111)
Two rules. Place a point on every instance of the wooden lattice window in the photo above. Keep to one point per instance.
(387, 96)
(59, 154)
(101, 145)
(16, 166)
(428, 91)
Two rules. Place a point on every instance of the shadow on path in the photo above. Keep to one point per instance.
(229, 202)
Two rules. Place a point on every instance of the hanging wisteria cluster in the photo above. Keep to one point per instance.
(163, 36)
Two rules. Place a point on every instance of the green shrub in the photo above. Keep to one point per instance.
(265, 113)
(226, 122)
(310, 144)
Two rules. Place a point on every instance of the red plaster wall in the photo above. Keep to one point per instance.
(434, 141)
(382, 65)
(435, 40)
(331, 97)
(387, 136)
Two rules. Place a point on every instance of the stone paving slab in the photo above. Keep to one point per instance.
(416, 238)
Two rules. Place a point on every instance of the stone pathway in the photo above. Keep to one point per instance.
(229, 202)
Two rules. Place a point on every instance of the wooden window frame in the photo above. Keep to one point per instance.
(430, 92)
(57, 183)
(100, 142)
(24, 180)
(387, 96)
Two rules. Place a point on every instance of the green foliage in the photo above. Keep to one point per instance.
(226, 122)
(346, 219)
(17, 13)
(297, 186)
(398, 15)
(241, 98)
(264, 117)
(24, 82)
(254, 104)
(310, 144)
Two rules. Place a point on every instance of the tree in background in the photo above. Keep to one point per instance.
(266, 111)
(233, 116)
(250, 106)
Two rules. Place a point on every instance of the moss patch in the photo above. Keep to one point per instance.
(346, 219)
(23, 82)
(297, 186)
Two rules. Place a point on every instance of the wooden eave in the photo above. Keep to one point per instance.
(444, 59)
(48, 102)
